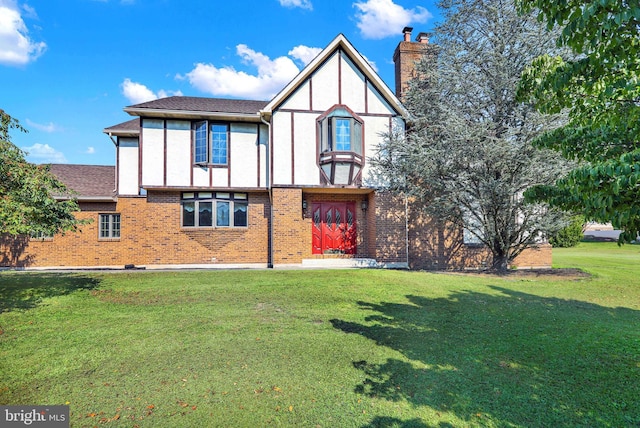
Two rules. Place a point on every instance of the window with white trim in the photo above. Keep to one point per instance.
(210, 143)
(109, 226)
(214, 209)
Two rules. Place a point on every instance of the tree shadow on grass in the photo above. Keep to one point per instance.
(21, 291)
(508, 359)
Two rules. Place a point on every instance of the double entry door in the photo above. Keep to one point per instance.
(334, 228)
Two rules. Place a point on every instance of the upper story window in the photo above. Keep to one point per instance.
(211, 143)
(214, 209)
(341, 146)
(340, 131)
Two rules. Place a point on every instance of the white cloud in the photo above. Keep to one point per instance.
(16, 48)
(138, 93)
(305, 54)
(48, 128)
(272, 76)
(30, 12)
(44, 153)
(90, 150)
(378, 19)
(303, 4)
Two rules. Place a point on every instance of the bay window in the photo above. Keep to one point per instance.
(341, 155)
(214, 209)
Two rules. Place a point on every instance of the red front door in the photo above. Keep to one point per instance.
(334, 228)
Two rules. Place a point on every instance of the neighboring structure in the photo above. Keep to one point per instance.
(207, 182)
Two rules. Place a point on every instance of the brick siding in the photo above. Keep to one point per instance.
(150, 234)
(434, 246)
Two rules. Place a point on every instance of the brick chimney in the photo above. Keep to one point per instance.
(405, 57)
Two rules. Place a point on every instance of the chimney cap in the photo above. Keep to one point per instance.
(423, 37)
(407, 33)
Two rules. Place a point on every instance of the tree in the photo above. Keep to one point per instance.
(28, 203)
(467, 157)
(569, 236)
(601, 91)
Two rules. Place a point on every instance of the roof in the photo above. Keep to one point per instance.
(91, 182)
(339, 42)
(130, 128)
(181, 106)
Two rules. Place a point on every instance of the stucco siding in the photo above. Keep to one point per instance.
(300, 99)
(244, 155)
(128, 166)
(353, 86)
(376, 102)
(200, 176)
(374, 126)
(264, 162)
(282, 148)
(152, 153)
(325, 85)
(179, 152)
(220, 177)
(306, 169)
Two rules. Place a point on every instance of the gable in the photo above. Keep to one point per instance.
(338, 71)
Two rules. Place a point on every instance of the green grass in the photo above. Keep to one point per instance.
(329, 348)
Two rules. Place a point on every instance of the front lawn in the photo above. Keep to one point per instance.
(329, 348)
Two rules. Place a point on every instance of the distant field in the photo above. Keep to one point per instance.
(329, 348)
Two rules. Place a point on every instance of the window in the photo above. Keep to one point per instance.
(340, 131)
(40, 236)
(472, 230)
(341, 146)
(211, 143)
(109, 226)
(343, 135)
(219, 209)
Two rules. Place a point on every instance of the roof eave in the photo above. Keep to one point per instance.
(121, 132)
(193, 114)
(88, 198)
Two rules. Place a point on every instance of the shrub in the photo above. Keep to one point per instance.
(570, 235)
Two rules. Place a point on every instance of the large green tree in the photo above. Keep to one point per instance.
(467, 157)
(600, 89)
(28, 192)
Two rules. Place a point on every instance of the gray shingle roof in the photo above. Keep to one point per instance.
(129, 127)
(89, 181)
(214, 105)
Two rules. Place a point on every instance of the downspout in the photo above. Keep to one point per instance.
(115, 143)
(269, 189)
(406, 227)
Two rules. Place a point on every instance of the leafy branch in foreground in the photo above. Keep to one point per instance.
(29, 194)
(600, 89)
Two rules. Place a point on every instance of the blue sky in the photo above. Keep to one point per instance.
(68, 67)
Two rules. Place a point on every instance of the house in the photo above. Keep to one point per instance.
(206, 182)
